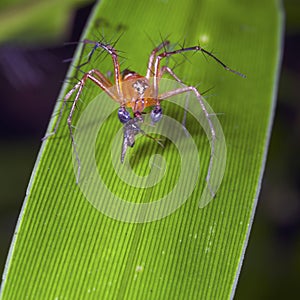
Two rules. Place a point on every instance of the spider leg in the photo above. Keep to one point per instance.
(165, 69)
(96, 77)
(166, 54)
(113, 53)
(150, 70)
(85, 42)
(80, 85)
(207, 116)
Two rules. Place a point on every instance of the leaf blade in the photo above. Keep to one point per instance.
(74, 250)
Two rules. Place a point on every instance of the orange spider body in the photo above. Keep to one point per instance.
(137, 92)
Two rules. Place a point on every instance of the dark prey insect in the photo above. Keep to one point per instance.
(132, 90)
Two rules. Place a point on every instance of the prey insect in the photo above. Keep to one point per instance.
(137, 92)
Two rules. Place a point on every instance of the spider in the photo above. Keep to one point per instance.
(137, 92)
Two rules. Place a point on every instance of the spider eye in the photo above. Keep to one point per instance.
(156, 114)
(124, 115)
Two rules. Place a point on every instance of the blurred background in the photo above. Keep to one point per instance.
(30, 80)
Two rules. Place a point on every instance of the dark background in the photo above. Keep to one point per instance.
(272, 262)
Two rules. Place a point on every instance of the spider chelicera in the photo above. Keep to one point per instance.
(132, 90)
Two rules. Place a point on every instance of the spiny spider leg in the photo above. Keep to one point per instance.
(170, 53)
(104, 83)
(101, 81)
(150, 69)
(158, 72)
(95, 76)
(211, 126)
(113, 53)
(166, 69)
(86, 42)
(97, 79)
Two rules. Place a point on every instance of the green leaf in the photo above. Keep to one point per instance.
(65, 248)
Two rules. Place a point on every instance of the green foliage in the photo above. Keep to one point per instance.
(65, 248)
